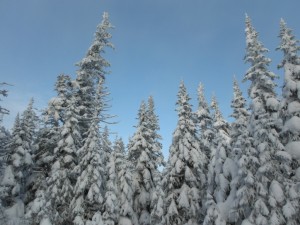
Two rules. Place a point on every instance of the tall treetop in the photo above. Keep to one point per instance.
(288, 44)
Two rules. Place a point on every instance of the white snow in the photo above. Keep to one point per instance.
(15, 214)
(277, 191)
(288, 210)
(292, 125)
(293, 107)
(283, 155)
(124, 221)
(293, 148)
(8, 178)
(272, 103)
(45, 221)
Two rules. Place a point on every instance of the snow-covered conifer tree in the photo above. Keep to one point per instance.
(290, 113)
(127, 216)
(154, 128)
(3, 92)
(263, 128)
(47, 138)
(204, 122)
(157, 196)
(111, 204)
(106, 146)
(244, 156)
(184, 177)
(10, 184)
(16, 180)
(57, 105)
(91, 68)
(145, 153)
(89, 189)
(61, 179)
(139, 150)
(220, 170)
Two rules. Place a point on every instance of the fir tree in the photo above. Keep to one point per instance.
(263, 128)
(90, 184)
(111, 204)
(290, 135)
(184, 177)
(61, 178)
(204, 122)
(219, 169)
(57, 105)
(3, 93)
(90, 69)
(126, 192)
(16, 182)
(47, 138)
(245, 157)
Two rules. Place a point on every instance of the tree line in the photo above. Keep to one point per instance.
(63, 168)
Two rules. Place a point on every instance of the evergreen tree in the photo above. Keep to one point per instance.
(290, 134)
(154, 128)
(124, 183)
(145, 153)
(16, 182)
(90, 184)
(106, 146)
(204, 122)
(4, 134)
(57, 105)
(245, 157)
(111, 204)
(47, 138)
(184, 177)
(157, 195)
(91, 68)
(219, 169)
(263, 128)
(61, 179)
(3, 93)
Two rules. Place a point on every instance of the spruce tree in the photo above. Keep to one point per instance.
(140, 152)
(290, 134)
(184, 177)
(204, 121)
(111, 204)
(90, 69)
(219, 169)
(245, 157)
(264, 129)
(89, 193)
(16, 180)
(61, 178)
(47, 138)
(124, 170)
(3, 93)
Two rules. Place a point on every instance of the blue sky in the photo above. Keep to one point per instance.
(158, 43)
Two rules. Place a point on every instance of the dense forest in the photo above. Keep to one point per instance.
(63, 167)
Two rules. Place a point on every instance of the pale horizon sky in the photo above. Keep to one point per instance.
(158, 43)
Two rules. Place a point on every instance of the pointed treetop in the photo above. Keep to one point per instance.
(201, 97)
(215, 106)
(93, 64)
(288, 44)
(258, 73)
